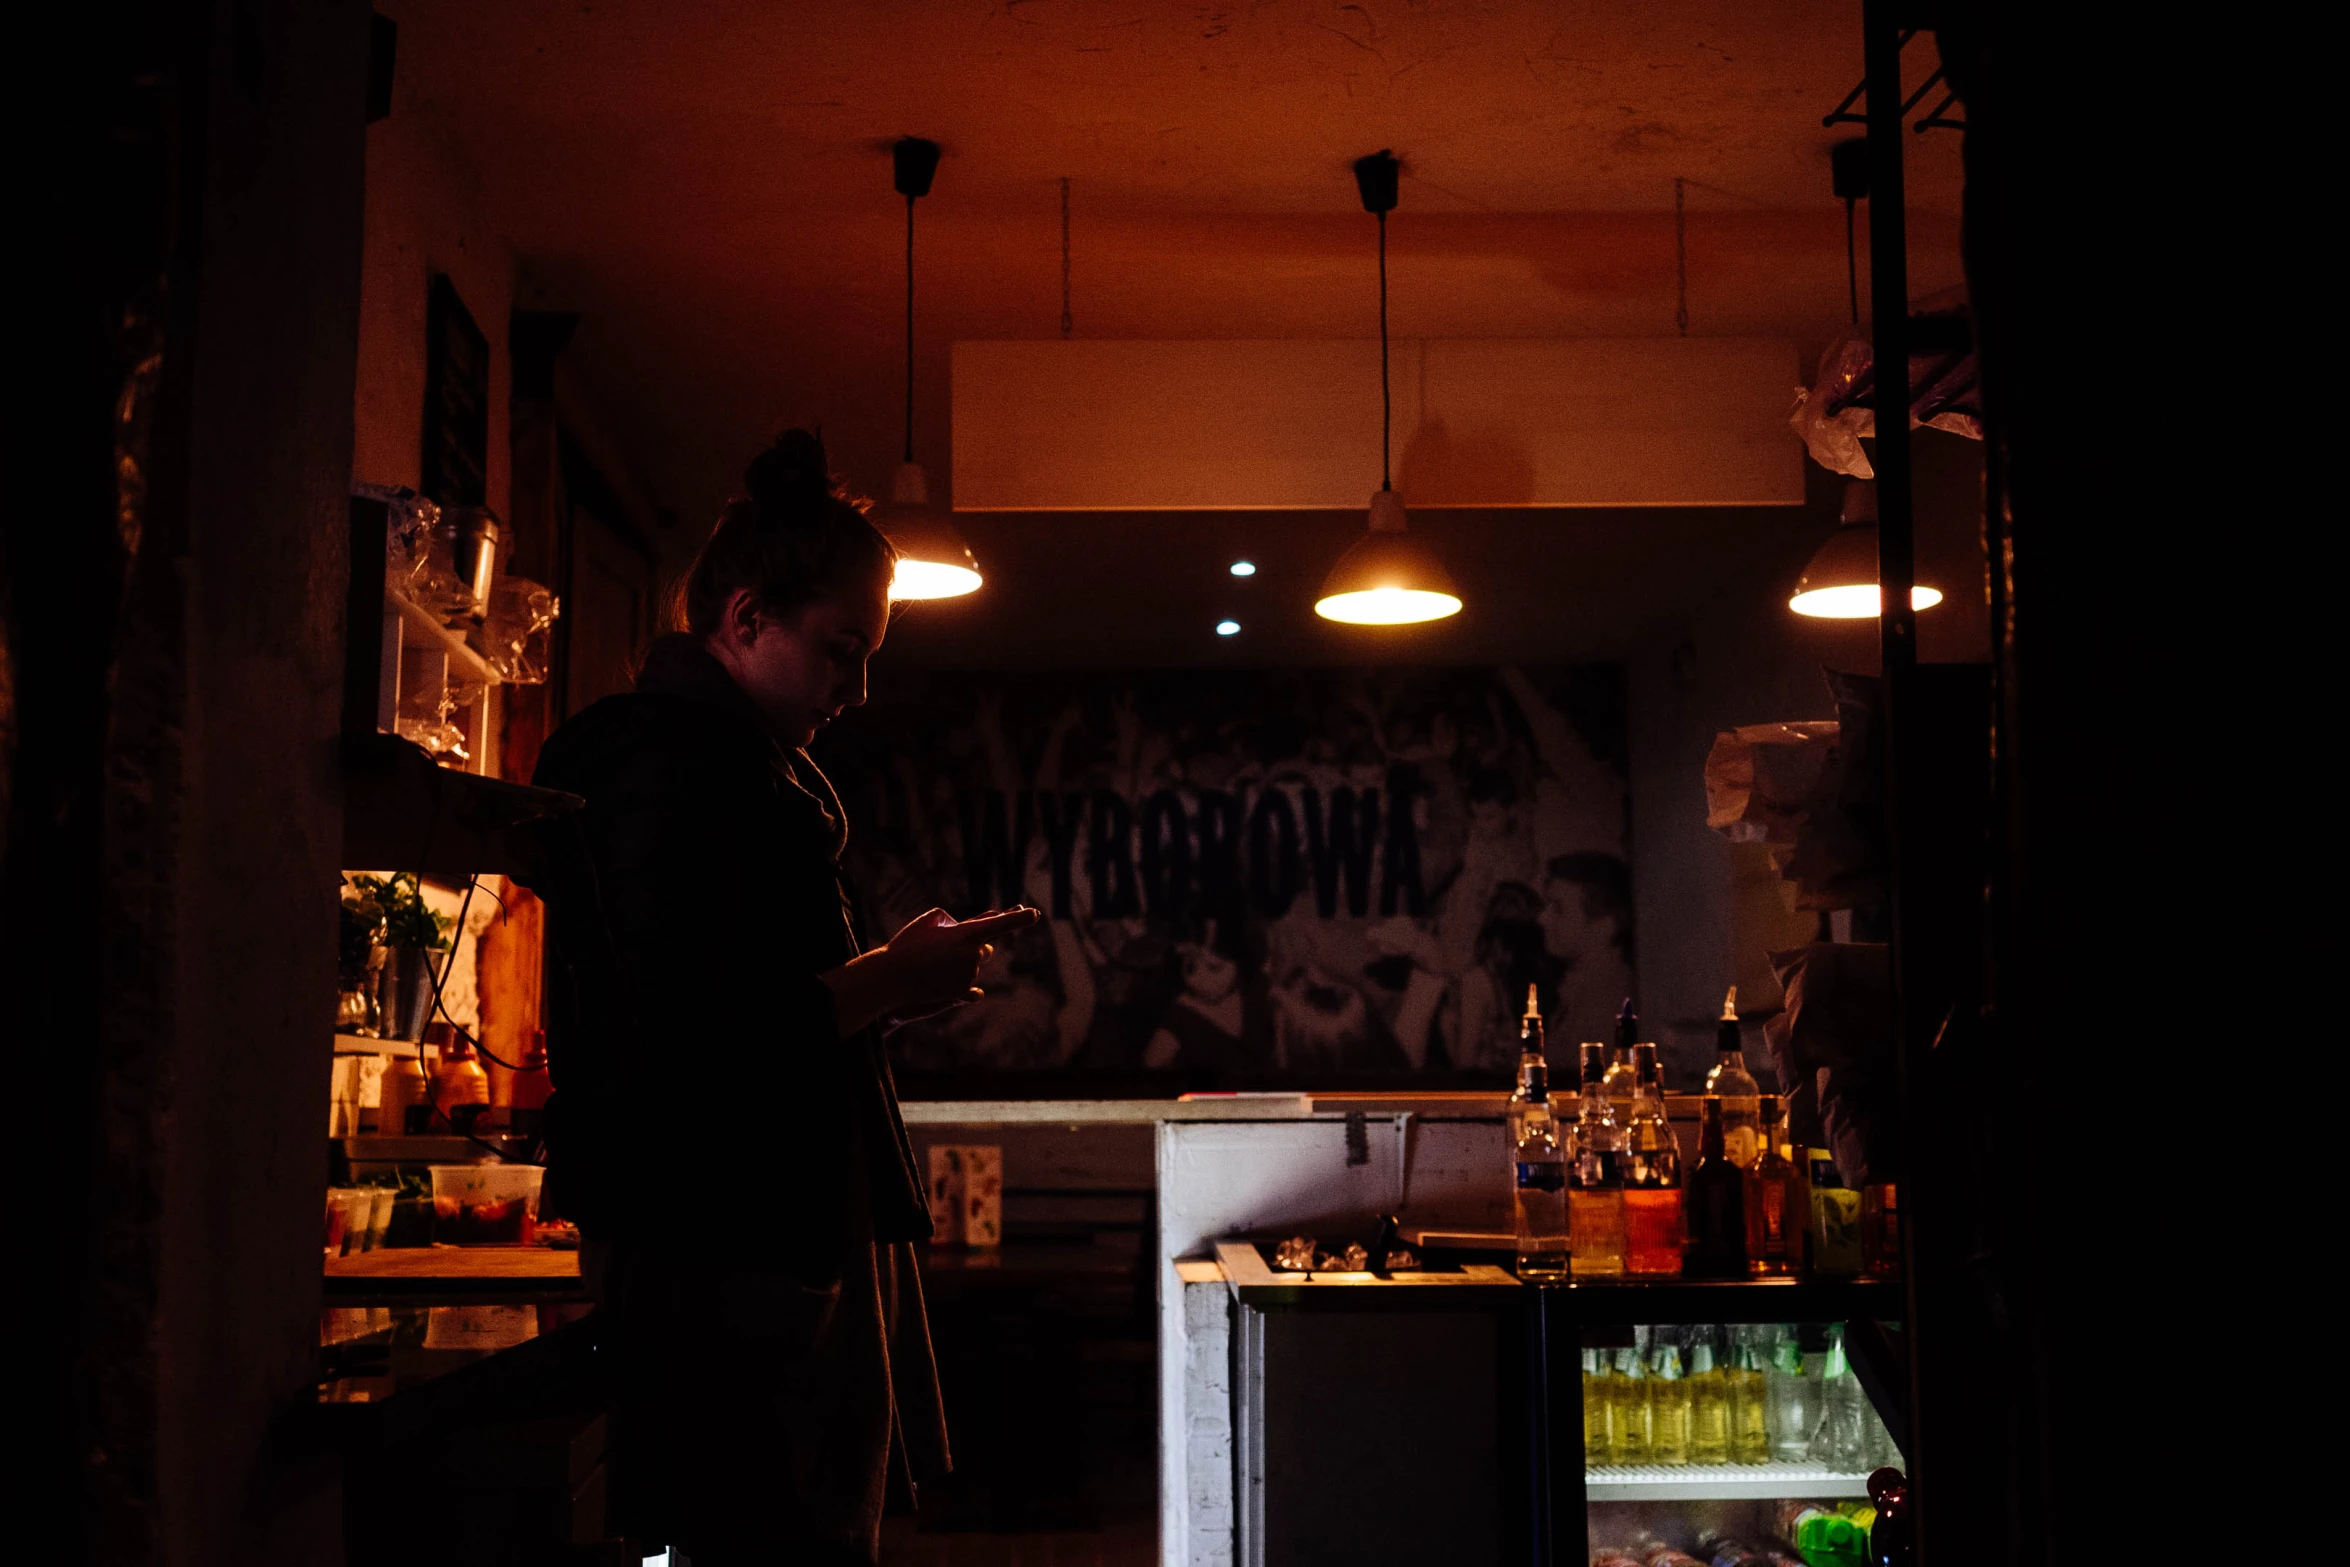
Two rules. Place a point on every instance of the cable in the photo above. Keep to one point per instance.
(1068, 321)
(1386, 398)
(909, 327)
(1851, 260)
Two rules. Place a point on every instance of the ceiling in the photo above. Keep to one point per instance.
(710, 186)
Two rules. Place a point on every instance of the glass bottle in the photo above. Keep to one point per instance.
(1539, 1173)
(1709, 1404)
(460, 1088)
(1730, 1082)
(1715, 1202)
(1630, 1426)
(1835, 1219)
(1774, 1205)
(1880, 1229)
(1598, 1397)
(1840, 1444)
(1623, 1074)
(1750, 1438)
(1653, 1214)
(1595, 1181)
(1791, 1401)
(1668, 1405)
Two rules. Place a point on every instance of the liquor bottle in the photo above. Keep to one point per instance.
(1653, 1217)
(1841, 1441)
(1598, 1395)
(1709, 1404)
(1835, 1219)
(1730, 1082)
(1595, 1181)
(1668, 1405)
(1538, 1163)
(1630, 1425)
(1750, 1432)
(1774, 1205)
(1791, 1400)
(1623, 1073)
(1715, 1202)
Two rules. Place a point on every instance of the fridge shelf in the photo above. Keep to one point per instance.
(1718, 1482)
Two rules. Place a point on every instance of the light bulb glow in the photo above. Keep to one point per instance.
(1228, 628)
(1856, 601)
(931, 579)
(1244, 568)
(1387, 606)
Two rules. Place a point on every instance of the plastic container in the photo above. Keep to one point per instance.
(485, 1204)
(379, 1219)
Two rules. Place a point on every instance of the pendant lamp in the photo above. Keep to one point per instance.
(1388, 578)
(934, 562)
(1841, 581)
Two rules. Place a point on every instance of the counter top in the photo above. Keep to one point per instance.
(456, 1262)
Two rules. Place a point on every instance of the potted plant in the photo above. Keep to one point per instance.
(411, 950)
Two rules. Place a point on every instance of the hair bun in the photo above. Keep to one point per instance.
(788, 475)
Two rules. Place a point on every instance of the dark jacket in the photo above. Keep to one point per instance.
(699, 1078)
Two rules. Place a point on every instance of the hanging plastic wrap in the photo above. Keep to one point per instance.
(1838, 410)
(1809, 791)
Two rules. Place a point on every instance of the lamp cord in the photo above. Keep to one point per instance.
(1851, 261)
(1386, 397)
(909, 328)
(1068, 321)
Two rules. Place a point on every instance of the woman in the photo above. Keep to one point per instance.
(725, 1130)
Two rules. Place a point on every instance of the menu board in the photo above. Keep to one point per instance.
(1279, 876)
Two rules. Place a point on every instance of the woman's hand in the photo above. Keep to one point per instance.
(931, 964)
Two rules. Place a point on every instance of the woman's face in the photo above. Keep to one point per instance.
(802, 668)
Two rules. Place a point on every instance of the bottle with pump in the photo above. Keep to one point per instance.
(1715, 1202)
(1653, 1215)
(1774, 1206)
(1734, 1086)
(1709, 1405)
(405, 1109)
(1595, 1181)
(460, 1088)
(1538, 1162)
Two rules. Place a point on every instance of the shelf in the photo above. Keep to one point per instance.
(422, 628)
(1718, 1482)
(403, 812)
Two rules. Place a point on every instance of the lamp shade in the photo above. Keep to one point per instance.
(1387, 578)
(934, 562)
(1841, 581)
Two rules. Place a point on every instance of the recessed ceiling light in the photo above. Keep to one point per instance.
(1227, 628)
(1244, 568)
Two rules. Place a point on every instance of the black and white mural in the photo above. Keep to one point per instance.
(1287, 876)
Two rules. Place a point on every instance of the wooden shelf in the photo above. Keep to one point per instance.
(404, 812)
(427, 1263)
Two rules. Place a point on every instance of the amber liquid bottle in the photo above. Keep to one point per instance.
(1595, 1180)
(1653, 1214)
(1775, 1205)
(1716, 1201)
(1748, 1401)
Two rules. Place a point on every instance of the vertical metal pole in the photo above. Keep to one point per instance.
(1881, 41)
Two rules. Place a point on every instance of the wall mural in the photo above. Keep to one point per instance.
(1269, 876)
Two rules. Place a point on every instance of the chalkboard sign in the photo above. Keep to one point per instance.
(456, 401)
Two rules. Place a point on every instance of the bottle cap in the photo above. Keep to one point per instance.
(1701, 1358)
(1787, 1356)
(1665, 1363)
(1627, 1025)
(1533, 1007)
